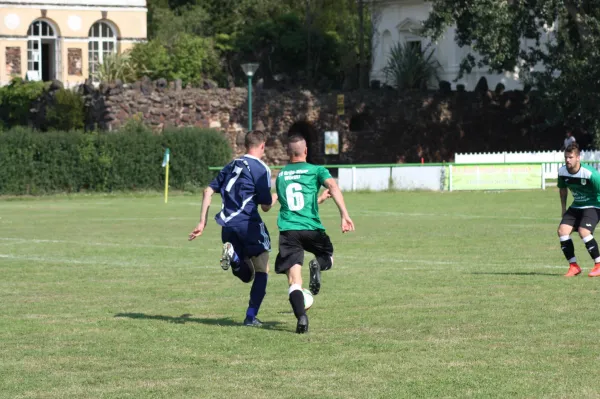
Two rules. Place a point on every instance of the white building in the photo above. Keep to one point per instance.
(401, 21)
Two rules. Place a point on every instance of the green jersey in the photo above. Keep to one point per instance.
(584, 185)
(298, 186)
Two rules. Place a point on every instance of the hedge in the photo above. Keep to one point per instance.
(35, 163)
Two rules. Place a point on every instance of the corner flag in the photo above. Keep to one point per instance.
(165, 164)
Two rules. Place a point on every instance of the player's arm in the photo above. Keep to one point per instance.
(212, 188)
(267, 208)
(206, 200)
(596, 181)
(563, 192)
(325, 195)
(338, 198)
(262, 184)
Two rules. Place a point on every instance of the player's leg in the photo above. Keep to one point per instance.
(233, 253)
(289, 261)
(588, 223)
(319, 244)
(257, 250)
(569, 222)
(297, 297)
(229, 257)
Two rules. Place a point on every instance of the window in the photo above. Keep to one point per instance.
(102, 42)
(42, 51)
(386, 44)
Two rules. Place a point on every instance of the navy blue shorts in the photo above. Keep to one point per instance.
(250, 239)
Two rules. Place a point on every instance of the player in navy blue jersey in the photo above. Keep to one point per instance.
(243, 184)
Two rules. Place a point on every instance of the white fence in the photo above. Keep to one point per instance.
(549, 158)
(386, 177)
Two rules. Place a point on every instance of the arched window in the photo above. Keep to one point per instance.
(386, 45)
(42, 51)
(102, 42)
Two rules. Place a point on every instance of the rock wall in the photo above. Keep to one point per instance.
(378, 126)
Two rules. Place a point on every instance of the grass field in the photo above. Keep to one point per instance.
(435, 295)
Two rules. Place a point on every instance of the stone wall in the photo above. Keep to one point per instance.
(378, 126)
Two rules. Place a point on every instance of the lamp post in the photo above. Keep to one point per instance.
(249, 70)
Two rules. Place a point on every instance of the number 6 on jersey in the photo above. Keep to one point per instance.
(294, 197)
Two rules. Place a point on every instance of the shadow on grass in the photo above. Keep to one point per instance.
(520, 274)
(186, 318)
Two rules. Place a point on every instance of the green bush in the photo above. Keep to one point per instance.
(189, 58)
(16, 99)
(130, 159)
(408, 67)
(117, 66)
(66, 111)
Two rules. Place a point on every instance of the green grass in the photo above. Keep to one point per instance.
(435, 295)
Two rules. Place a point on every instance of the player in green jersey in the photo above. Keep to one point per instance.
(300, 226)
(583, 214)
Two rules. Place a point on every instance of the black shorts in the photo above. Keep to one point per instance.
(587, 218)
(293, 243)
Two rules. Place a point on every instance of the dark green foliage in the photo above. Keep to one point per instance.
(37, 163)
(66, 111)
(189, 58)
(313, 43)
(410, 68)
(569, 77)
(61, 109)
(192, 157)
(16, 99)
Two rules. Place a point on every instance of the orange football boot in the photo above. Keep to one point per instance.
(574, 270)
(595, 271)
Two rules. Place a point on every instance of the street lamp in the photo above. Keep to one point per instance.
(249, 70)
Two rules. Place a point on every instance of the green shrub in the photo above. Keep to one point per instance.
(16, 100)
(408, 67)
(118, 66)
(189, 58)
(66, 111)
(130, 159)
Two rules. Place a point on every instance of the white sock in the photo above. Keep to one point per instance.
(294, 287)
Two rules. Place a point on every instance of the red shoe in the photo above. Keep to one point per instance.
(595, 271)
(574, 270)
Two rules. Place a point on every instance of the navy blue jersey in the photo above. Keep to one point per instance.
(244, 184)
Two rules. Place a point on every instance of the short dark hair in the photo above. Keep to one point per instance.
(294, 150)
(573, 147)
(295, 138)
(255, 138)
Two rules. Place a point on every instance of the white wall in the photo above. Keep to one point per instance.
(394, 12)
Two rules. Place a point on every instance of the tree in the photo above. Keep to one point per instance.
(324, 49)
(569, 80)
(190, 58)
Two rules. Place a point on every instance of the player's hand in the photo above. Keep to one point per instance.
(347, 224)
(324, 196)
(197, 231)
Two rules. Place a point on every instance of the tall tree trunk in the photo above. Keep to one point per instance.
(308, 49)
(361, 44)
